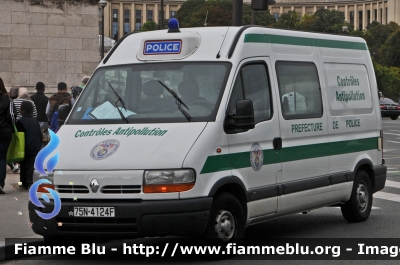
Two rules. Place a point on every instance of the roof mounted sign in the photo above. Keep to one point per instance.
(158, 46)
(162, 47)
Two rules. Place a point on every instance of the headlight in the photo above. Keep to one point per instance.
(168, 180)
(37, 176)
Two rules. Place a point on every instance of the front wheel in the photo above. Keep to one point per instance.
(358, 208)
(227, 219)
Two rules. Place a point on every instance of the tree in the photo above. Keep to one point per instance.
(329, 21)
(388, 79)
(186, 11)
(289, 20)
(390, 52)
(306, 21)
(149, 25)
(193, 13)
(263, 17)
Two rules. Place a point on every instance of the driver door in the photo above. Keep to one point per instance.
(254, 158)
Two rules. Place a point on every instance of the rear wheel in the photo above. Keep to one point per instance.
(394, 117)
(227, 220)
(358, 208)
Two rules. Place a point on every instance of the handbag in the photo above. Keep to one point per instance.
(16, 149)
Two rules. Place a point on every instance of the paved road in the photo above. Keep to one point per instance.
(384, 221)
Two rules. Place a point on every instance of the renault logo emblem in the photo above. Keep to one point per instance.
(94, 185)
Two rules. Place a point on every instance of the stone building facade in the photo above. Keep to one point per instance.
(48, 41)
(358, 13)
(124, 16)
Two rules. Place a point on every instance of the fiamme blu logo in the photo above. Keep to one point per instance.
(50, 165)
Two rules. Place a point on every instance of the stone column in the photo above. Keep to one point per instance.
(144, 14)
(336, 7)
(303, 10)
(121, 21)
(167, 16)
(133, 17)
(372, 13)
(384, 13)
(292, 8)
(364, 18)
(346, 13)
(156, 15)
(107, 20)
(355, 17)
(281, 10)
(378, 13)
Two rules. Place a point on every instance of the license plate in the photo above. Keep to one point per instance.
(94, 211)
(391, 107)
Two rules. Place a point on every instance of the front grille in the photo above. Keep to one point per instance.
(72, 189)
(95, 224)
(120, 189)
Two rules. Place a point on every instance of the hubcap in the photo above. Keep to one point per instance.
(362, 197)
(225, 225)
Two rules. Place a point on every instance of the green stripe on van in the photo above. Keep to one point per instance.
(300, 41)
(242, 160)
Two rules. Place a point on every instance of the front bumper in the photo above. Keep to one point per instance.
(132, 218)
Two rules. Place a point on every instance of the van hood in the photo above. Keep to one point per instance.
(126, 147)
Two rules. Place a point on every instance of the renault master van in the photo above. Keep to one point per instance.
(205, 131)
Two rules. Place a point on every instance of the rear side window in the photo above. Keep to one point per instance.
(299, 90)
(252, 83)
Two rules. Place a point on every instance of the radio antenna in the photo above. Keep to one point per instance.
(205, 21)
(222, 43)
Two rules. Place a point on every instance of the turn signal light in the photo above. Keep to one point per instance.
(167, 188)
(41, 188)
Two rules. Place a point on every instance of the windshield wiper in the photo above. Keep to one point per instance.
(178, 102)
(116, 105)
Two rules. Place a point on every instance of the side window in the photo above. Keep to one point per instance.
(299, 90)
(252, 83)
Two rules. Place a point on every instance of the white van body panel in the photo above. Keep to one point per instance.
(307, 162)
(169, 150)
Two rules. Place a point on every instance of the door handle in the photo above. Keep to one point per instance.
(277, 142)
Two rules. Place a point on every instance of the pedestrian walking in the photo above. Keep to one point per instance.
(14, 92)
(40, 101)
(85, 79)
(23, 96)
(75, 91)
(33, 142)
(55, 124)
(54, 99)
(6, 120)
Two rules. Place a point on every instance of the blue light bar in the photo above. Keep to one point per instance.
(173, 25)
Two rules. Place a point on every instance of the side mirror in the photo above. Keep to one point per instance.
(244, 118)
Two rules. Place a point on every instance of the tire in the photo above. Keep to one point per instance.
(358, 208)
(394, 117)
(227, 220)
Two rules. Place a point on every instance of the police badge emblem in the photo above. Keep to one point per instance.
(256, 156)
(104, 149)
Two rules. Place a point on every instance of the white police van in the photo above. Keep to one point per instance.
(204, 131)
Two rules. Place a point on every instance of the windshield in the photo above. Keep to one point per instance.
(198, 85)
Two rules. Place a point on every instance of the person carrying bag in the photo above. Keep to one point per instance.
(6, 125)
(16, 149)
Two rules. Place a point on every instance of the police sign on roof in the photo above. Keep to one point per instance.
(162, 47)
